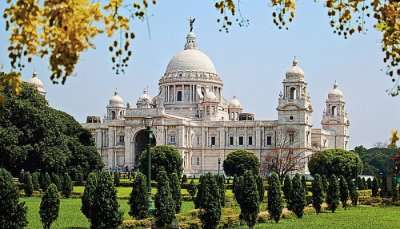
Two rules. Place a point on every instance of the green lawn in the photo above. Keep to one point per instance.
(359, 218)
(70, 215)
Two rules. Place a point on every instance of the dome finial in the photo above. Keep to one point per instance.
(335, 85)
(34, 74)
(191, 37)
(295, 61)
(115, 91)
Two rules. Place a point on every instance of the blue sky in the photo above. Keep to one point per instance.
(250, 60)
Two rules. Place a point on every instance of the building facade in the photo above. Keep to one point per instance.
(191, 113)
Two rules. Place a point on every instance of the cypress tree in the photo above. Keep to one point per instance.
(55, 179)
(105, 214)
(325, 184)
(353, 193)
(116, 179)
(35, 181)
(221, 185)
(317, 193)
(304, 182)
(184, 179)
(344, 191)
(138, 200)
(260, 187)
(88, 195)
(28, 185)
(395, 193)
(66, 185)
(210, 213)
(384, 188)
(175, 185)
(298, 196)
(359, 183)
(274, 197)
(44, 180)
(192, 189)
(49, 206)
(21, 177)
(200, 193)
(12, 211)
(375, 187)
(165, 205)
(333, 195)
(287, 190)
(364, 183)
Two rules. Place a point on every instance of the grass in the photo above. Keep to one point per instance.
(123, 192)
(70, 215)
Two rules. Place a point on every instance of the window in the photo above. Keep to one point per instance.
(113, 115)
(269, 140)
(291, 118)
(334, 111)
(179, 96)
(231, 140)
(172, 140)
(198, 140)
(292, 93)
(198, 161)
(213, 141)
(291, 138)
(241, 140)
(250, 140)
(121, 139)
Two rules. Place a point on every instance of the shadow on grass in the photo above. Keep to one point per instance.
(75, 228)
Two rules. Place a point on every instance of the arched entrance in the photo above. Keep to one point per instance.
(141, 140)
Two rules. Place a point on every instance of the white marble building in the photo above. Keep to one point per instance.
(191, 113)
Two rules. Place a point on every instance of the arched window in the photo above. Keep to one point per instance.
(113, 115)
(334, 110)
(292, 93)
(179, 96)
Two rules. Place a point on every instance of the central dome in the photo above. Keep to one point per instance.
(190, 60)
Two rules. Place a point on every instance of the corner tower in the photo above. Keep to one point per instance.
(294, 107)
(335, 120)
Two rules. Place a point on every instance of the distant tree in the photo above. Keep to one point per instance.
(284, 158)
(138, 199)
(237, 162)
(377, 160)
(221, 186)
(184, 179)
(28, 185)
(353, 193)
(165, 204)
(162, 156)
(35, 181)
(395, 192)
(45, 181)
(12, 212)
(325, 184)
(335, 162)
(105, 213)
(89, 195)
(317, 193)
(344, 191)
(298, 196)
(116, 179)
(192, 189)
(210, 208)
(175, 186)
(274, 197)
(333, 193)
(287, 191)
(260, 187)
(55, 179)
(66, 185)
(304, 182)
(49, 206)
(375, 187)
(369, 183)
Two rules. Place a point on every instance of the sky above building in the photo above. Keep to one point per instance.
(250, 60)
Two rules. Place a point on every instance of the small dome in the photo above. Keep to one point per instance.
(210, 96)
(36, 82)
(116, 100)
(145, 100)
(335, 91)
(234, 103)
(295, 69)
(145, 96)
